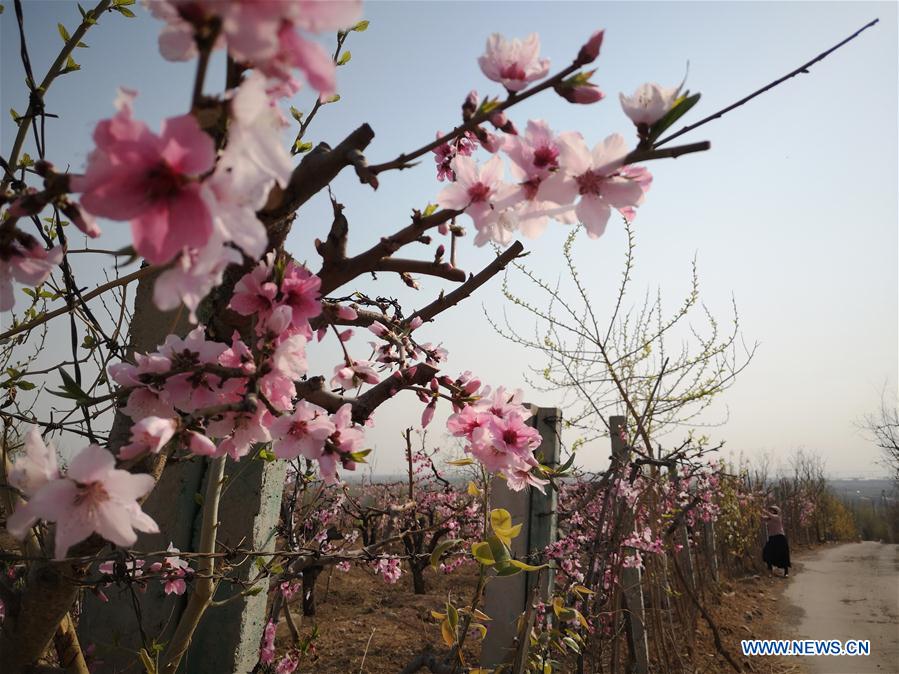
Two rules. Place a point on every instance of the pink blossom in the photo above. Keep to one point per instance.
(649, 103)
(93, 497)
(346, 439)
(475, 190)
(174, 570)
(519, 476)
(255, 292)
(288, 664)
(150, 434)
(267, 649)
(303, 432)
(512, 435)
(201, 445)
(193, 275)
(26, 261)
(300, 290)
(151, 180)
(513, 63)
(428, 414)
(464, 423)
(597, 177)
(241, 431)
(582, 93)
(354, 375)
(36, 468)
(262, 34)
(389, 569)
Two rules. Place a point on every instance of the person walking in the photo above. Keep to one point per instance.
(777, 548)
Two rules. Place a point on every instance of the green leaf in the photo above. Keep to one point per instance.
(71, 66)
(430, 209)
(301, 147)
(253, 591)
(267, 455)
(460, 462)
(63, 33)
(345, 58)
(498, 550)
(442, 547)
(124, 11)
(331, 99)
(24, 385)
(359, 457)
(361, 27)
(452, 616)
(198, 498)
(679, 109)
(15, 115)
(296, 114)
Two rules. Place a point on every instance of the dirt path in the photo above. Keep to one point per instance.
(849, 591)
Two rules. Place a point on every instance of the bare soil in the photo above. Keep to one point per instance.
(362, 618)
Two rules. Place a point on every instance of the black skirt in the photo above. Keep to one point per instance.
(777, 552)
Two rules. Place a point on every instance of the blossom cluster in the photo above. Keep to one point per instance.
(92, 496)
(263, 35)
(553, 176)
(498, 436)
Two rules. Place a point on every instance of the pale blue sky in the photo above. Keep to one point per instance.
(793, 211)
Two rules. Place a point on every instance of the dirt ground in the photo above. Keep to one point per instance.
(360, 616)
(749, 608)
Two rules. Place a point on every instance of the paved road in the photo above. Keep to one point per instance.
(845, 592)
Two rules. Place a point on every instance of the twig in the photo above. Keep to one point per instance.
(362, 665)
(124, 280)
(801, 69)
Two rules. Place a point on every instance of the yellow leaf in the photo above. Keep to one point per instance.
(482, 553)
(558, 605)
(580, 589)
(448, 637)
(501, 521)
(460, 462)
(526, 567)
(437, 615)
(480, 615)
(473, 489)
(147, 661)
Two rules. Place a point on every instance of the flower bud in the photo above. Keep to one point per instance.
(590, 51)
(470, 105)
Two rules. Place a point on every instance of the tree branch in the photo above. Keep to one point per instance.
(801, 69)
(444, 302)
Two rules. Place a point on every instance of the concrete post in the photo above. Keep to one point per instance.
(228, 637)
(631, 580)
(506, 598)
